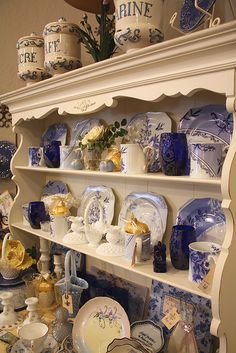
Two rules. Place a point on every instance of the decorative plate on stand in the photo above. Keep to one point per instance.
(55, 187)
(55, 132)
(102, 318)
(210, 123)
(190, 16)
(7, 150)
(145, 130)
(82, 127)
(206, 216)
(106, 199)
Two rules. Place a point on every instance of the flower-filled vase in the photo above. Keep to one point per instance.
(92, 159)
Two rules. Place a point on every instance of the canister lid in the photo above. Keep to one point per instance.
(33, 40)
(61, 26)
(91, 6)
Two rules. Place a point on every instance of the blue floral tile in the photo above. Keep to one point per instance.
(164, 295)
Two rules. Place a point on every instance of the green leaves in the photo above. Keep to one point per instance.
(106, 47)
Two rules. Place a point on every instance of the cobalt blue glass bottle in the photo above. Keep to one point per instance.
(181, 237)
(51, 154)
(173, 154)
(36, 213)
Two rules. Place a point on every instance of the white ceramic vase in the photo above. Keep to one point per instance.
(138, 23)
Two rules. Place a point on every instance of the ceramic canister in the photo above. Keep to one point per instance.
(62, 47)
(138, 23)
(30, 50)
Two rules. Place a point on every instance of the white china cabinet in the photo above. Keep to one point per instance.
(173, 76)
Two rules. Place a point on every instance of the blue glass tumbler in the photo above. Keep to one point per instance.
(181, 237)
(36, 213)
(173, 154)
(51, 154)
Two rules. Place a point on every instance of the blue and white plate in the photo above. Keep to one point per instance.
(210, 123)
(54, 187)
(206, 216)
(190, 17)
(164, 297)
(55, 132)
(82, 127)
(145, 129)
(7, 150)
(148, 208)
(92, 198)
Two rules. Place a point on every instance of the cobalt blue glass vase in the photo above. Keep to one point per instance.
(173, 154)
(181, 237)
(51, 154)
(36, 213)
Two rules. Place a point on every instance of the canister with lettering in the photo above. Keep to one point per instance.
(30, 50)
(62, 47)
(138, 23)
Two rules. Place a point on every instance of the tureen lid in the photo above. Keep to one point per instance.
(61, 26)
(91, 6)
(32, 40)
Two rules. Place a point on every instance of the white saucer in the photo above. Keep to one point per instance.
(49, 345)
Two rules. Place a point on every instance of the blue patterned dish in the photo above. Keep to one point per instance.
(55, 132)
(7, 150)
(55, 187)
(148, 208)
(145, 129)
(206, 216)
(82, 127)
(210, 123)
(106, 200)
(162, 299)
(190, 17)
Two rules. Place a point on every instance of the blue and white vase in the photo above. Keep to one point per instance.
(36, 157)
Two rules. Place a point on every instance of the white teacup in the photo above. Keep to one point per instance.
(132, 159)
(33, 336)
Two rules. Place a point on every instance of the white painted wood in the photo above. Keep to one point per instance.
(171, 76)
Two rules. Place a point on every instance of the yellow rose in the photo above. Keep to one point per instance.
(93, 135)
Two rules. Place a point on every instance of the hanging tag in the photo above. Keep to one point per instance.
(67, 302)
(206, 283)
(171, 319)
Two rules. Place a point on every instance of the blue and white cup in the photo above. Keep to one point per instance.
(36, 157)
(206, 160)
(202, 256)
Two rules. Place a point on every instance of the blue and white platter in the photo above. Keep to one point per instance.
(82, 127)
(148, 208)
(98, 202)
(164, 297)
(190, 16)
(55, 132)
(210, 123)
(145, 129)
(54, 187)
(206, 216)
(7, 150)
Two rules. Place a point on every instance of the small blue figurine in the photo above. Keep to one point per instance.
(159, 261)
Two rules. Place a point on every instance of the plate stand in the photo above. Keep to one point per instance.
(209, 16)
